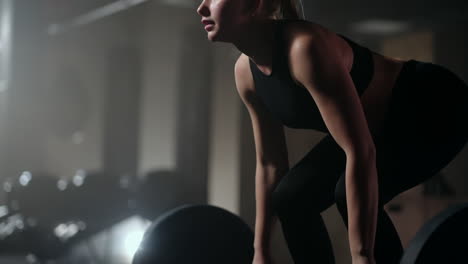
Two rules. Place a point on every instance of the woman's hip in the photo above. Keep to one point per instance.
(426, 125)
(429, 103)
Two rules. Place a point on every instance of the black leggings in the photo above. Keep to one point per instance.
(425, 127)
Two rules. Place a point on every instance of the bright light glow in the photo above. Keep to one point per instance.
(65, 231)
(19, 223)
(9, 226)
(3, 211)
(6, 18)
(131, 232)
(379, 26)
(93, 15)
(25, 178)
(62, 184)
(79, 177)
(132, 241)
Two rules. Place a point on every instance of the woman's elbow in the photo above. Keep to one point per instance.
(366, 153)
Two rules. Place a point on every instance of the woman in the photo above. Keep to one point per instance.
(392, 124)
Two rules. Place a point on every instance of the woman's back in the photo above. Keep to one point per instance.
(373, 75)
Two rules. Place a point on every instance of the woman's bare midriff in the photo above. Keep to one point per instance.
(376, 97)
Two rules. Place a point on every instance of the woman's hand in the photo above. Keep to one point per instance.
(262, 258)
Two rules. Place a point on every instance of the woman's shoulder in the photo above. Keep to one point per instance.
(294, 28)
(309, 43)
(242, 73)
(241, 65)
(300, 35)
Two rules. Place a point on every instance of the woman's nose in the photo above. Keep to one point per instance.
(202, 9)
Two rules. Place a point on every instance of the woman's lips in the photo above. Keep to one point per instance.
(209, 27)
(208, 24)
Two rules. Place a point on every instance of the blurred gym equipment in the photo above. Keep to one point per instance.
(207, 234)
(443, 239)
(197, 234)
(46, 216)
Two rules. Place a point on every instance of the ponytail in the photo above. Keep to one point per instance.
(289, 9)
(285, 9)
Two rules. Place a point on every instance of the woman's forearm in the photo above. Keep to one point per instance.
(362, 204)
(266, 179)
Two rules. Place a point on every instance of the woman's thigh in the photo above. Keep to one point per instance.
(425, 128)
(311, 182)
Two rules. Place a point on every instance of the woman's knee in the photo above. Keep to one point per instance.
(283, 195)
(291, 195)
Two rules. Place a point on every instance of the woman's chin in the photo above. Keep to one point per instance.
(213, 37)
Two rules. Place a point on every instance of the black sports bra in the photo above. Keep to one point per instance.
(291, 103)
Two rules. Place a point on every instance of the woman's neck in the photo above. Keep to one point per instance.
(256, 41)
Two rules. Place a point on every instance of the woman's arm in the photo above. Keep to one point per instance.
(317, 66)
(266, 179)
(362, 201)
(271, 154)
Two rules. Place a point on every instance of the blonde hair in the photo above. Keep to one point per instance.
(284, 9)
